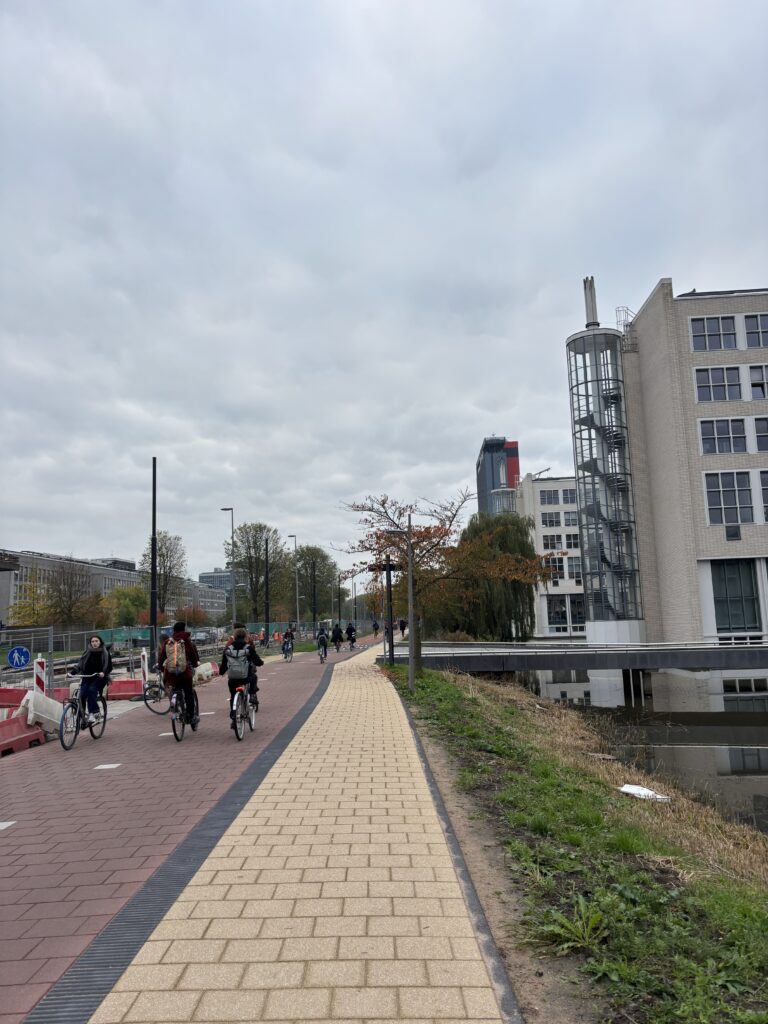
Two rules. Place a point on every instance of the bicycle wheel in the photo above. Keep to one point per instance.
(195, 715)
(69, 726)
(157, 698)
(289, 654)
(98, 727)
(253, 707)
(240, 715)
(178, 718)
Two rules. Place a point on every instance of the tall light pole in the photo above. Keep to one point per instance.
(296, 569)
(232, 564)
(411, 667)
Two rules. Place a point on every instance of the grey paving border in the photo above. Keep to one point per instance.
(76, 996)
(505, 994)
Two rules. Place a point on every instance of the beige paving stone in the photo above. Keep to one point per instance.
(465, 949)
(315, 948)
(397, 972)
(364, 1003)
(336, 974)
(180, 929)
(274, 975)
(218, 908)
(297, 1004)
(145, 977)
(114, 1008)
(180, 911)
(283, 927)
(235, 928)
(457, 972)
(151, 952)
(202, 977)
(156, 1007)
(194, 951)
(480, 1002)
(339, 925)
(252, 950)
(441, 1003)
(195, 893)
(243, 1004)
(268, 908)
(422, 948)
(393, 926)
(367, 947)
(459, 927)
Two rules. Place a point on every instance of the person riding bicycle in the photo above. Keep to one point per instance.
(322, 641)
(288, 639)
(95, 662)
(239, 660)
(375, 628)
(178, 659)
(337, 635)
(351, 634)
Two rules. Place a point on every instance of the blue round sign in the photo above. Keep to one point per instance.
(18, 657)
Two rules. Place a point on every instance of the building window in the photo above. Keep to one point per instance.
(718, 384)
(570, 518)
(552, 542)
(734, 586)
(549, 497)
(710, 333)
(574, 568)
(556, 568)
(748, 760)
(503, 473)
(729, 498)
(571, 541)
(557, 614)
(578, 612)
(761, 433)
(758, 379)
(722, 437)
(550, 519)
(569, 495)
(757, 330)
(764, 488)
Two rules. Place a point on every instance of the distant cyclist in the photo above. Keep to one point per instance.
(375, 628)
(322, 641)
(239, 660)
(94, 666)
(178, 658)
(351, 635)
(337, 635)
(288, 639)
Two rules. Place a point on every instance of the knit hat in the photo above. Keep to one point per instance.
(179, 627)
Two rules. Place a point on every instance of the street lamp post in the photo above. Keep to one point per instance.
(296, 570)
(411, 667)
(232, 564)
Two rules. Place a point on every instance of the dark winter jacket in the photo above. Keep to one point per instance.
(92, 662)
(193, 658)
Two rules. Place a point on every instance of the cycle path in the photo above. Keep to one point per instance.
(337, 893)
(86, 837)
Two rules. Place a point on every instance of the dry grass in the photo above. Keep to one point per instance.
(714, 844)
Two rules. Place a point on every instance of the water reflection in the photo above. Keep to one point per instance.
(706, 731)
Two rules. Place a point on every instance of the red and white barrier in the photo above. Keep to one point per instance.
(40, 673)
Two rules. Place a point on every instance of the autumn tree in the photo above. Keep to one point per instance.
(250, 565)
(439, 560)
(171, 567)
(125, 603)
(316, 569)
(192, 616)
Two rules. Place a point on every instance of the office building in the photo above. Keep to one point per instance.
(498, 473)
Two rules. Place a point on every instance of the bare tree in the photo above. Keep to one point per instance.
(67, 590)
(171, 567)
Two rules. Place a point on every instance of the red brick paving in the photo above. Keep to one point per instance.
(85, 843)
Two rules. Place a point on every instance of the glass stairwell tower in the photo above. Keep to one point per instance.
(604, 481)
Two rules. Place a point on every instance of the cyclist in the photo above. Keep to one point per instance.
(288, 638)
(337, 635)
(351, 635)
(375, 628)
(178, 658)
(95, 662)
(239, 660)
(322, 641)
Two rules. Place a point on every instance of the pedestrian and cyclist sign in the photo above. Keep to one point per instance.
(18, 657)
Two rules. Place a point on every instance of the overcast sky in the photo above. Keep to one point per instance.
(306, 251)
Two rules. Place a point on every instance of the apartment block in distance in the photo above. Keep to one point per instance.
(498, 473)
(670, 427)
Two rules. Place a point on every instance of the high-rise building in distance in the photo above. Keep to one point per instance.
(498, 474)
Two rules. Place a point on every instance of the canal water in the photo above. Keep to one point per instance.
(706, 732)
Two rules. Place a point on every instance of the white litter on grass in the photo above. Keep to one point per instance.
(643, 794)
(98, 766)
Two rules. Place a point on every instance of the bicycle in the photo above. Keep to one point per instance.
(322, 650)
(338, 645)
(288, 650)
(157, 696)
(242, 712)
(178, 708)
(74, 717)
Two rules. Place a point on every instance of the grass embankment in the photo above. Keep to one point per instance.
(667, 903)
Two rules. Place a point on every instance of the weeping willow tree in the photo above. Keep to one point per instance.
(494, 599)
